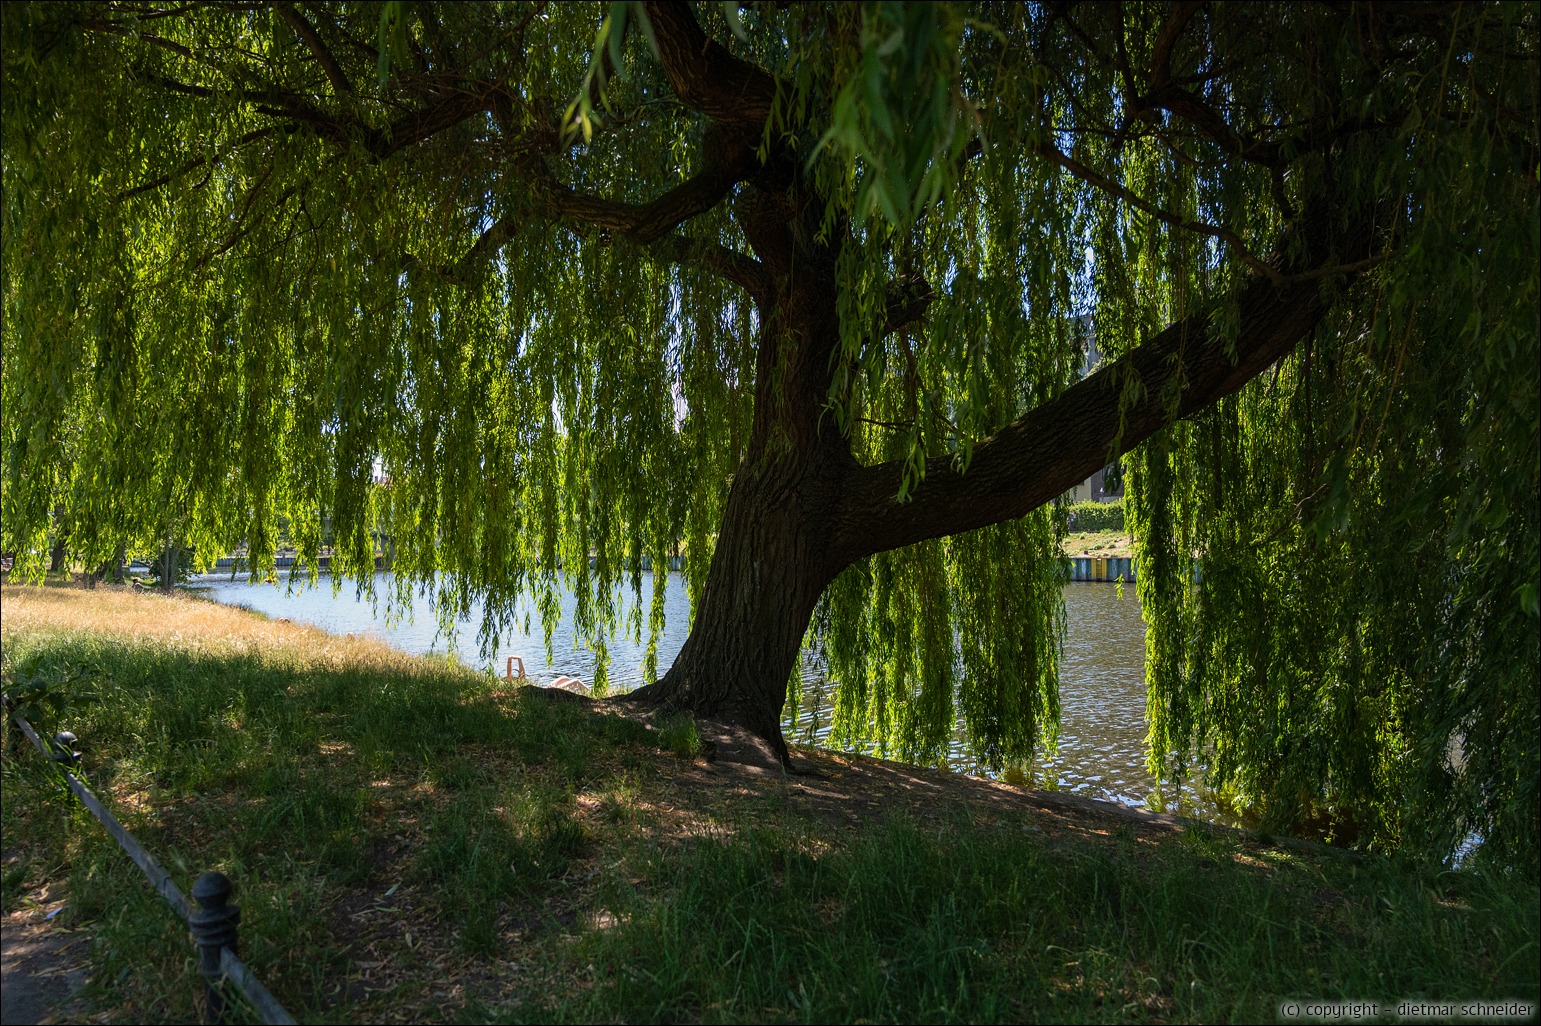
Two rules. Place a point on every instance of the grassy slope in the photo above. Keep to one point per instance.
(408, 843)
(1098, 543)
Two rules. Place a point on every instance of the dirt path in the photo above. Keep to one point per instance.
(43, 967)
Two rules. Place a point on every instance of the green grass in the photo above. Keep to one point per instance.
(680, 736)
(405, 840)
(910, 922)
(1097, 543)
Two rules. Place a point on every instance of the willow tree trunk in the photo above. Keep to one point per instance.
(774, 555)
(169, 561)
(769, 567)
(801, 508)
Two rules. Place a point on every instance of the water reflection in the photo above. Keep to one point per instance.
(1102, 680)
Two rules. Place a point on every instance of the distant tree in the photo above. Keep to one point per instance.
(56, 555)
(172, 565)
(800, 286)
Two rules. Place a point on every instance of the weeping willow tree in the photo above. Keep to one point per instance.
(547, 293)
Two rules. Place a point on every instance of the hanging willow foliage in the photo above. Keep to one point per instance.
(803, 294)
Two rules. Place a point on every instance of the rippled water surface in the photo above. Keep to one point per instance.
(1102, 682)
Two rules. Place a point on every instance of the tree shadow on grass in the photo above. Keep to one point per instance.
(321, 786)
(383, 820)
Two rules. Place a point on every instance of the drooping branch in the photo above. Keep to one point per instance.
(1275, 155)
(1112, 188)
(194, 164)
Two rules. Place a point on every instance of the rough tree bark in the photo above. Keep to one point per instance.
(773, 556)
(801, 509)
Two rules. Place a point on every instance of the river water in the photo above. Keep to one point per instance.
(1101, 751)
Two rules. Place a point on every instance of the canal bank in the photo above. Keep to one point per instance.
(412, 842)
(1078, 567)
(1101, 744)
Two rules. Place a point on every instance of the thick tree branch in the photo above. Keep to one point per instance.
(323, 54)
(647, 224)
(1174, 99)
(907, 302)
(704, 74)
(1161, 53)
(345, 129)
(739, 268)
(643, 222)
(1172, 376)
(728, 162)
(1170, 95)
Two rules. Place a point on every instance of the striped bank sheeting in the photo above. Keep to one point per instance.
(1102, 568)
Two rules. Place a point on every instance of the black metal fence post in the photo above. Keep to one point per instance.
(214, 925)
(214, 922)
(64, 748)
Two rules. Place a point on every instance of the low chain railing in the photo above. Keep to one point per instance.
(214, 922)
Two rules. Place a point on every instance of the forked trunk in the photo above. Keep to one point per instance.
(802, 509)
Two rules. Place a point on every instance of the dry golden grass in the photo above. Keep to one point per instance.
(187, 623)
